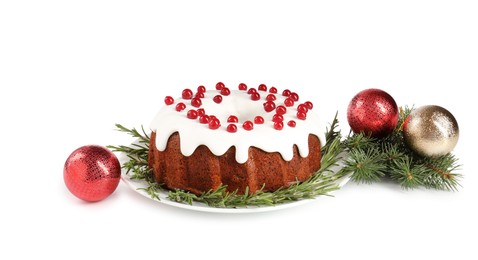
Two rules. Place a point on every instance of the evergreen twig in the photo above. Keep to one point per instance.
(373, 159)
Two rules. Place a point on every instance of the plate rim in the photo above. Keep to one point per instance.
(136, 184)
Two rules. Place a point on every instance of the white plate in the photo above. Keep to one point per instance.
(197, 206)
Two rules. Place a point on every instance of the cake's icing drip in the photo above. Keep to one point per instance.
(238, 103)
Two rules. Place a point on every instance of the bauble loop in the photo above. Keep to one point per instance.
(373, 112)
(92, 172)
(431, 131)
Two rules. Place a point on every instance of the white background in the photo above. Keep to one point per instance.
(70, 70)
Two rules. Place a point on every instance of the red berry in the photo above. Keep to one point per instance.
(201, 89)
(273, 90)
(217, 99)
(301, 115)
(251, 91)
(258, 120)
(309, 105)
(286, 93)
(288, 102)
(196, 102)
(242, 86)
(192, 114)
(201, 112)
(294, 96)
(199, 95)
(187, 93)
(302, 108)
(262, 87)
(271, 97)
(248, 125)
(255, 96)
(277, 118)
(291, 123)
(220, 86)
(232, 119)
(169, 100)
(204, 119)
(214, 123)
(278, 125)
(180, 107)
(232, 128)
(269, 106)
(281, 110)
(225, 91)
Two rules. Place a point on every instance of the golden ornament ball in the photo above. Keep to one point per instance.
(431, 131)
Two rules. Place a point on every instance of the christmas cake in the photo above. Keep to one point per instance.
(247, 139)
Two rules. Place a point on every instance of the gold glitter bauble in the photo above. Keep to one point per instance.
(431, 131)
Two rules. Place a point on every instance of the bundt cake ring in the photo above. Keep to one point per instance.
(254, 138)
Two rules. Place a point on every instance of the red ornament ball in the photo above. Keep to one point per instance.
(374, 112)
(92, 173)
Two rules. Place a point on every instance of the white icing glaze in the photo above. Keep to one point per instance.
(263, 136)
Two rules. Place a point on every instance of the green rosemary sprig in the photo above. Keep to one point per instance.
(137, 154)
(321, 183)
(373, 159)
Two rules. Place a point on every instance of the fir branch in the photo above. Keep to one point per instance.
(360, 142)
(406, 173)
(371, 159)
(442, 172)
(367, 165)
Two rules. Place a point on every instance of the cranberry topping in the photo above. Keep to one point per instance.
(302, 108)
(281, 110)
(196, 102)
(288, 102)
(187, 93)
(271, 97)
(192, 114)
(217, 99)
(301, 115)
(231, 128)
(168, 100)
(204, 119)
(258, 120)
(180, 107)
(277, 118)
(251, 91)
(269, 106)
(255, 96)
(278, 125)
(309, 105)
(294, 96)
(242, 86)
(232, 119)
(201, 89)
(225, 91)
(214, 123)
(220, 85)
(262, 87)
(248, 125)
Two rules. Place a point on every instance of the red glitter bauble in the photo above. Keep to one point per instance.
(92, 173)
(373, 112)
